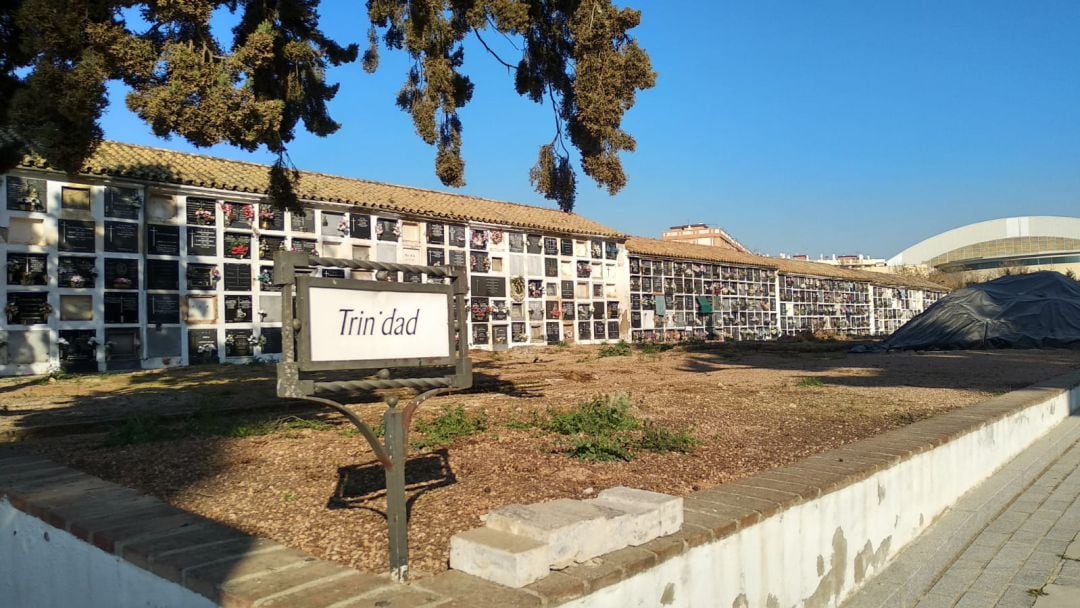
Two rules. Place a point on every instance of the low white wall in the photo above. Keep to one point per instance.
(817, 553)
(58, 570)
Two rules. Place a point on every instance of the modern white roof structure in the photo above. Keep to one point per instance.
(995, 242)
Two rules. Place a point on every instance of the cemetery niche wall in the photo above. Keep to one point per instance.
(116, 269)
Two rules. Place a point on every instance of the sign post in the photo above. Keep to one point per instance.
(337, 325)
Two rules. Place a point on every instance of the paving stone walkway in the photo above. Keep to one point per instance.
(1023, 553)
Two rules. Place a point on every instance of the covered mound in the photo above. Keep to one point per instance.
(1036, 310)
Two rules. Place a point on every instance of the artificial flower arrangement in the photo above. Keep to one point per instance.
(121, 282)
(584, 270)
(204, 216)
(480, 311)
(343, 227)
(239, 251)
(479, 239)
(256, 341)
(536, 289)
(215, 274)
(496, 237)
(206, 349)
(500, 311)
(266, 250)
(266, 277)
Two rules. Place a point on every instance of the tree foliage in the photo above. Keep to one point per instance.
(57, 56)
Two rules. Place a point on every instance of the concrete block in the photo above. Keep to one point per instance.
(500, 557)
(669, 507)
(573, 530)
(636, 525)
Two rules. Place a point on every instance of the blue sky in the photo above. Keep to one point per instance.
(800, 127)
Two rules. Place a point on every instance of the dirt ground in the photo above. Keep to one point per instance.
(319, 489)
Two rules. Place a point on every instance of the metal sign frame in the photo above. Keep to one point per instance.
(292, 273)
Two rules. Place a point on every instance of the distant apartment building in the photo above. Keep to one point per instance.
(702, 234)
(856, 262)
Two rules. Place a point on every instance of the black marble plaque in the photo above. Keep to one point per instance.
(360, 225)
(268, 245)
(436, 257)
(584, 330)
(76, 272)
(27, 308)
(479, 262)
(533, 244)
(516, 242)
(612, 329)
(27, 269)
(200, 277)
(598, 310)
(635, 319)
(303, 222)
(551, 267)
(77, 354)
(412, 277)
(457, 236)
(566, 290)
(272, 337)
(237, 246)
(551, 331)
(238, 309)
(613, 310)
(387, 230)
(202, 345)
(237, 277)
(635, 301)
(123, 203)
(26, 194)
(121, 273)
(307, 245)
(238, 215)
(480, 334)
(201, 211)
(333, 273)
(598, 329)
(162, 240)
(121, 237)
(163, 274)
(121, 308)
(551, 246)
(488, 287)
(566, 247)
(202, 241)
(518, 332)
(499, 334)
(457, 258)
(611, 250)
(76, 236)
(162, 308)
(436, 234)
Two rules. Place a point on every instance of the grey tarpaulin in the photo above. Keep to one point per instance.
(1035, 310)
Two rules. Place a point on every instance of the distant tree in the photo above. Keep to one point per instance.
(56, 57)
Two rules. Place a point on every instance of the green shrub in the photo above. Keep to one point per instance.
(622, 349)
(602, 448)
(452, 424)
(810, 382)
(656, 438)
(602, 415)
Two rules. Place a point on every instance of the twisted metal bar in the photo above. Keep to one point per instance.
(376, 446)
(442, 271)
(370, 385)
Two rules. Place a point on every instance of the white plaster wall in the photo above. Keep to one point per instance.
(44, 567)
(806, 556)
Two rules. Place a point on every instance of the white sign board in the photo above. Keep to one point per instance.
(356, 325)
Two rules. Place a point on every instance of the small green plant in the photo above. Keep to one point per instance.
(656, 438)
(562, 344)
(452, 424)
(652, 348)
(810, 382)
(602, 415)
(602, 448)
(137, 430)
(622, 349)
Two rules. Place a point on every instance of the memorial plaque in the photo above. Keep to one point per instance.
(272, 340)
(488, 287)
(123, 203)
(27, 269)
(412, 277)
(499, 311)
(568, 311)
(303, 222)
(238, 215)
(387, 230)
(479, 262)
(518, 332)
(268, 245)
(201, 276)
(599, 328)
(584, 331)
(612, 329)
(162, 240)
(551, 267)
(566, 290)
(237, 277)
(536, 311)
(121, 308)
(436, 234)
(305, 245)
(164, 342)
(200, 310)
(163, 274)
(121, 273)
(25, 308)
(25, 194)
(238, 309)
(332, 224)
(598, 290)
(566, 247)
(161, 208)
(635, 319)
(201, 211)
(270, 218)
(457, 236)
(202, 346)
(598, 310)
(238, 343)
(611, 250)
(499, 334)
(333, 273)
(266, 279)
(76, 236)
(237, 246)
(551, 246)
(480, 334)
(613, 310)
(360, 225)
(457, 258)
(78, 352)
(552, 333)
(202, 241)
(76, 199)
(436, 257)
(162, 308)
(516, 242)
(76, 308)
(533, 244)
(552, 310)
(76, 272)
(121, 237)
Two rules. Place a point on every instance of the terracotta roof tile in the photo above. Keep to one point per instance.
(165, 166)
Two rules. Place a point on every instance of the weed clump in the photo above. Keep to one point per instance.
(622, 349)
(810, 382)
(604, 429)
(449, 426)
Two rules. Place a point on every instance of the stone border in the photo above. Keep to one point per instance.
(234, 569)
